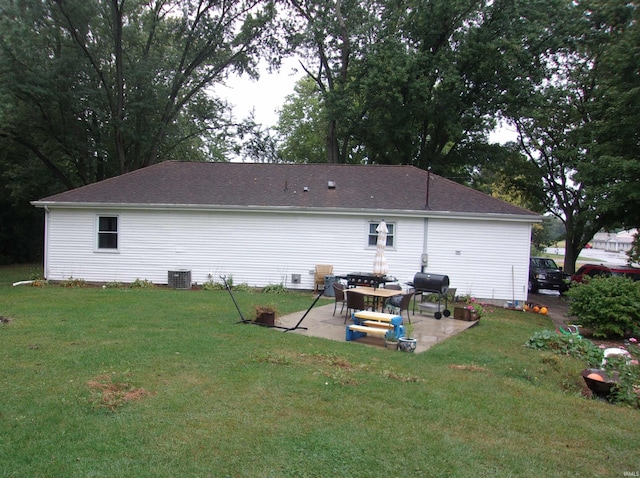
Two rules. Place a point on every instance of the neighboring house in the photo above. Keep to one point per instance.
(272, 223)
(614, 241)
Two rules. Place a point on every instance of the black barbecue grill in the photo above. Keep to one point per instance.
(366, 279)
(432, 284)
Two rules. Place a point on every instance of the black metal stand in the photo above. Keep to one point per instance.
(297, 326)
(246, 321)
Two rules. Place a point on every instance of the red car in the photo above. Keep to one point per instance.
(593, 270)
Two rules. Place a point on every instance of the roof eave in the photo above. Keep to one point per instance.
(292, 209)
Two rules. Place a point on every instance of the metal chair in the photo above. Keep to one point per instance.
(338, 290)
(355, 301)
(405, 302)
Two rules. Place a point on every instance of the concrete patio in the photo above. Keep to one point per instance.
(320, 322)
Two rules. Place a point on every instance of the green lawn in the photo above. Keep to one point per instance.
(162, 383)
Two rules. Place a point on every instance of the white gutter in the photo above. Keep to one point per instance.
(292, 210)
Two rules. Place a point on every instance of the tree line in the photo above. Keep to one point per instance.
(94, 88)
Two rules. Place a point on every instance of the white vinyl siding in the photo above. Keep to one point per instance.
(485, 259)
(267, 248)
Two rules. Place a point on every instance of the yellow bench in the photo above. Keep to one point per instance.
(378, 316)
(368, 330)
(374, 323)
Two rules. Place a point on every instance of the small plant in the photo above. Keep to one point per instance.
(114, 285)
(212, 285)
(141, 284)
(275, 289)
(478, 308)
(570, 345)
(408, 330)
(74, 283)
(390, 336)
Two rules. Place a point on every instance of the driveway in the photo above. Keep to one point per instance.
(557, 305)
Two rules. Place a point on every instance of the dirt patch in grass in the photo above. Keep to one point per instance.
(111, 395)
(470, 368)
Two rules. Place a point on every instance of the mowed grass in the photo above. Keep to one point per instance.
(162, 383)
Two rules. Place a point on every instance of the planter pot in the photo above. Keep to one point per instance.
(600, 382)
(407, 344)
(462, 313)
(266, 318)
(391, 345)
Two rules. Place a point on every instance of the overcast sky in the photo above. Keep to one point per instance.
(268, 94)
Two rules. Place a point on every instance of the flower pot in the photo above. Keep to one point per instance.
(462, 313)
(266, 318)
(407, 344)
(393, 345)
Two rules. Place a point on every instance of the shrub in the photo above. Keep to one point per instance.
(609, 306)
(275, 289)
(73, 283)
(571, 345)
(141, 284)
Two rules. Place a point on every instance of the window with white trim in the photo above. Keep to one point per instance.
(108, 232)
(391, 235)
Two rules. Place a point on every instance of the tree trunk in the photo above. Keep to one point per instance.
(570, 254)
(333, 152)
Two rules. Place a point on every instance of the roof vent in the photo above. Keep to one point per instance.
(305, 189)
(331, 184)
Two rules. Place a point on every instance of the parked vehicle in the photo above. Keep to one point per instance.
(600, 270)
(544, 273)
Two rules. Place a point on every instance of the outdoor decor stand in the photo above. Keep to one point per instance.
(243, 320)
(297, 326)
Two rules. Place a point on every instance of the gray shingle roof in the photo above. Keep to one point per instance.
(287, 185)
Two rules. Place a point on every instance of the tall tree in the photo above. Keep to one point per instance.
(97, 88)
(417, 82)
(329, 34)
(566, 130)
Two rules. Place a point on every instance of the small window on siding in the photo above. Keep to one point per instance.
(108, 232)
(391, 236)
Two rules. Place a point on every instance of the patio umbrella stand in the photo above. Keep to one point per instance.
(243, 320)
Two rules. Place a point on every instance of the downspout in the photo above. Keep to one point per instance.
(45, 269)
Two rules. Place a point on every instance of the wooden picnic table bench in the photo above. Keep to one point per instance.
(374, 323)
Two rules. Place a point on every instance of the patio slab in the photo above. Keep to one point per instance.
(320, 322)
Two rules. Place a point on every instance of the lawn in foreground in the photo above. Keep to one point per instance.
(210, 397)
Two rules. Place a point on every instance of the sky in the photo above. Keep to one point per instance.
(264, 96)
(268, 94)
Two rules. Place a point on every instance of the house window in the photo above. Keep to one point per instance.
(391, 236)
(107, 232)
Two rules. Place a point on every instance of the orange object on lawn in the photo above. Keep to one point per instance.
(595, 376)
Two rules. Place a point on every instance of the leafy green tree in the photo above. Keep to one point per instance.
(90, 89)
(564, 117)
(98, 88)
(301, 124)
(414, 82)
(328, 35)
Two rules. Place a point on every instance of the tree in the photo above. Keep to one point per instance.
(328, 34)
(301, 124)
(90, 89)
(98, 88)
(414, 82)
(563, 118)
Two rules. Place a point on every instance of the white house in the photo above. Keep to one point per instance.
(621, 241)
(272, 223)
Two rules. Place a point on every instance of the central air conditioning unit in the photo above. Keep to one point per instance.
(180, 279)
